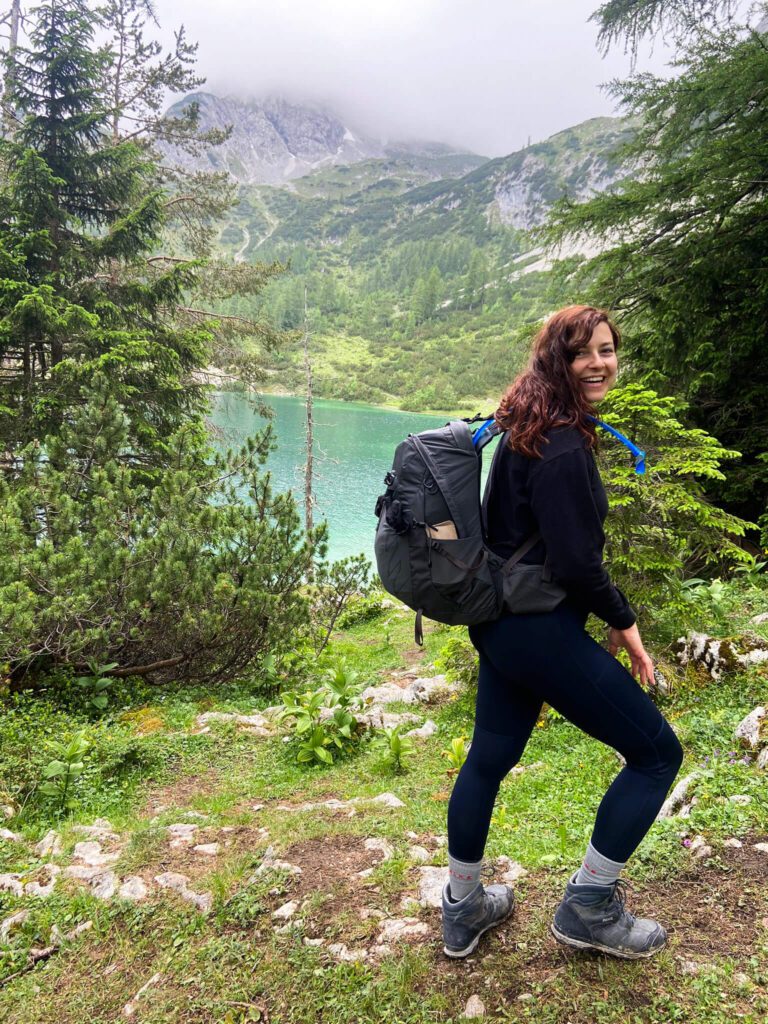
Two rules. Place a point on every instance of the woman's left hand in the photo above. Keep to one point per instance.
(640, 660)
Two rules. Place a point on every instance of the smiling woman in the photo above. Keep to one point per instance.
(546, 483)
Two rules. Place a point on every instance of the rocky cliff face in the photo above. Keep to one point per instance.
(274, 141)
(578, 162)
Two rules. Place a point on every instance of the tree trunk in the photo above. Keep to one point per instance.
(309, 465)
(14, 18)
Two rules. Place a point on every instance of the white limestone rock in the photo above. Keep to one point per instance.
(340, 951)
(762, 847)
(173, 880)
(719, 656)
(425, 731)
(104, 885)
(380, 846)
(6, 836)
(699, 849)
(475, 1007)
(49, 845)
(256, 723)
(432, 688)
(431, 883)
(282, 865)
(81, 872)
(379, 951)
(740, 798)
(716, 656)
(203, 901)
(750, 730)
(8, 811)
(290, 927)
(758, 620)
(91, 855)
(733, 843)
(371, 913)
(382, 800)
(43, 890)
(10, 923)
(101, 830)
(58, 937)
(388, 693)
(178, 883)
(182, 833)
(130, 1007)
(677, 797)
(762, 758)
(134, 888)
(286, 912)
(510, 869)
(207, 849)
(394, 928)
(419, 854)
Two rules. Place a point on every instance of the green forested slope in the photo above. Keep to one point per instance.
(417, 294)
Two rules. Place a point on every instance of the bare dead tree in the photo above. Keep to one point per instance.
(309, 465)
(12, 18)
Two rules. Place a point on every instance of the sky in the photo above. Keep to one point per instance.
(485, 75)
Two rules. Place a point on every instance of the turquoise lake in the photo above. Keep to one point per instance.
(354, 446)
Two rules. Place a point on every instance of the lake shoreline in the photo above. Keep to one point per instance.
(450, 414)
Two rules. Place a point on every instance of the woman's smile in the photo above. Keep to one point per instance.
(595, 364)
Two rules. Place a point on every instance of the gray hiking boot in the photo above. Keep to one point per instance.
(465, 921)
(594, 917)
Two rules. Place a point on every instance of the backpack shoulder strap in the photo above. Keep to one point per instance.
(489, 483)
(532, 540)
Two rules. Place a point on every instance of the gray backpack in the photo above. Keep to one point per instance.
(430, 544)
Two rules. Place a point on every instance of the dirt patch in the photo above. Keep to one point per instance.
(342, 904)
(179, 793)
(184, 860)
(710, 914)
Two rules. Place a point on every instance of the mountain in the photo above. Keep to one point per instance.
(420, 288)
(274, 142)
(386, 203)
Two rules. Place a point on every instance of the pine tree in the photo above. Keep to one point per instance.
(75, 213)
(686, 267)
(137, 76)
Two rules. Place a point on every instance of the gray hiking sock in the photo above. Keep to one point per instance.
(597, 869)
(463, 877)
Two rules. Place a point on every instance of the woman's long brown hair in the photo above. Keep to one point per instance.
(546, 393)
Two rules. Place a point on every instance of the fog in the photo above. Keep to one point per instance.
(487, 75)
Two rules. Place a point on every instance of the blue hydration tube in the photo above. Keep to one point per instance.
(637, 452)
(482, 433)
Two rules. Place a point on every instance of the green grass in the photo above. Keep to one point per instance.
(230, 966)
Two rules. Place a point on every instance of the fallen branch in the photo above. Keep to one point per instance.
(136, 670)
(35, 955)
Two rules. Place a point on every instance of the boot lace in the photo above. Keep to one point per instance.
(617, 904)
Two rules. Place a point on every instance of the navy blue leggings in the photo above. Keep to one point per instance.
(526, 660)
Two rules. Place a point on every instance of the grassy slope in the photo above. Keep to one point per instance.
(232, 967)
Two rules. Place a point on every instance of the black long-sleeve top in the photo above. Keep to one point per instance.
(560, 494)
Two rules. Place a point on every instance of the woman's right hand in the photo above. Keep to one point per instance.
(629, 639)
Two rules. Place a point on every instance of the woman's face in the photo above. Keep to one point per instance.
(595, 365)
